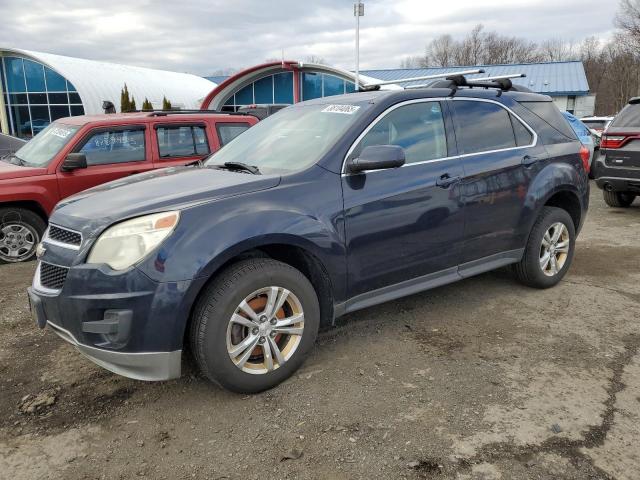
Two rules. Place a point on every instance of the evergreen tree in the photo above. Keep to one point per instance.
(132, 105)
(125, 103)
(146, 105)
(166, 104)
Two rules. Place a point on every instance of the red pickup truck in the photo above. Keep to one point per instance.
(76, 153)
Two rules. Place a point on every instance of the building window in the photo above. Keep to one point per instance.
(35, 95)
(278, 89)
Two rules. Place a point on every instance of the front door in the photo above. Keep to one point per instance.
(112, 153)
(404, 223)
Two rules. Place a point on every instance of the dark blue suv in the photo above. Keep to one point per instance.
(324, 208)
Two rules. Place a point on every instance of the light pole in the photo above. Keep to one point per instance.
(358, 11)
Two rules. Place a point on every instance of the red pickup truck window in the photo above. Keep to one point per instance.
(182, 141)
(115, 146)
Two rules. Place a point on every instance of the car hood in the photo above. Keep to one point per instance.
(160, 190)
(9, 170)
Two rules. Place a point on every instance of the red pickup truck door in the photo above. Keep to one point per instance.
(112, 153)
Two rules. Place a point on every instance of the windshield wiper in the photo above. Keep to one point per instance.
(242, 166)
(20, 161)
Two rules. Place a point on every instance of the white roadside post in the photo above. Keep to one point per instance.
(358, 11)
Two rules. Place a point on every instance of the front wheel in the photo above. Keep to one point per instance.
(254, 325)
(20, 232)
(549, 250)
(618, 199)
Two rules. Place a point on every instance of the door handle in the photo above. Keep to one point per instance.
(528, 160)
(446, 180)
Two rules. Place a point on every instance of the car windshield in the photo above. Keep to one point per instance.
(40, 150)
(290, 140)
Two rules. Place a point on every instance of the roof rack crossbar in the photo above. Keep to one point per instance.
(162, 113)
(426, 77)
(500, 77)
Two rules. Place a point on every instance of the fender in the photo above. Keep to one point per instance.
(42, 190)
(552, 179)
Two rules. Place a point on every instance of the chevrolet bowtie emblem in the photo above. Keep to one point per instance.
(40, 250)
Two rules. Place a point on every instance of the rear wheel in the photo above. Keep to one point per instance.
(618, 199)
(549, 251)
(20, 232)
(254, 325)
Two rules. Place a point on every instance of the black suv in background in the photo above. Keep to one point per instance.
(617, 171)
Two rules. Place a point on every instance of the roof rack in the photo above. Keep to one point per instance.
(376, 85)
(164, 113)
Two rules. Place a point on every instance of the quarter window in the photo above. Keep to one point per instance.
(523, 135)
(115, 146)
(483, 127)
(182, 141)
(418, 128)
(229, 131)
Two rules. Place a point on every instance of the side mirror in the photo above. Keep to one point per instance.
(377, 157)
(74, 161)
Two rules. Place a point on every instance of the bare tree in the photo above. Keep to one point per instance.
(628, 19)
(439, 52)
(557, 50)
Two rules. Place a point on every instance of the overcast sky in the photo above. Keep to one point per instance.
(202, 36)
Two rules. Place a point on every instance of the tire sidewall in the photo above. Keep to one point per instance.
(551, 216)
(213, 347)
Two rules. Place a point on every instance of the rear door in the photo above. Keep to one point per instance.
(112, 153)
(500, 156)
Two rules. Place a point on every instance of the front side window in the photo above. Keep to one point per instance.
(182, 141)
(418, 128)
(483, 127)
(115, 146)
(229, 131)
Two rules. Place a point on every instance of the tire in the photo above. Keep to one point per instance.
(618, 199)
(214, 335)
(20, 232)
(529, 270)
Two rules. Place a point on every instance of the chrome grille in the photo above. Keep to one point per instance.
(52, 276)
(63, 235)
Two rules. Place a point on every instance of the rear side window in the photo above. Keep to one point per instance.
(629, 116)
(182, 141)
(549, 113)
(115, 146)
(483, 127)
(418, 128)
(229, 131)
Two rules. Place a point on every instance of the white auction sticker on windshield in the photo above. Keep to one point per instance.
(60, 132)
(346, 109)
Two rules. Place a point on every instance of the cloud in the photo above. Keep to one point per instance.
(202, 36)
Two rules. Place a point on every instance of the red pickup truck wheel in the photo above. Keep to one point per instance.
(20, 232)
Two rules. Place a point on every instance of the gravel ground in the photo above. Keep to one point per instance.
(483, 379)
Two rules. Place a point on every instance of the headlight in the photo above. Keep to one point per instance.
(129, 242)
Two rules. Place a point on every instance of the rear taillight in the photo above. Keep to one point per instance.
(613, 141)
(585, 155)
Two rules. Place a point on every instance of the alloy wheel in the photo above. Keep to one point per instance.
(554, 249)
(18, 241)
(265, 330)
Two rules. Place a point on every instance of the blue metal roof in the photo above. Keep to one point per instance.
(552, 78)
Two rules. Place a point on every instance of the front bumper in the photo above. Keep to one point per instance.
(122, 321)
(150, 366)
